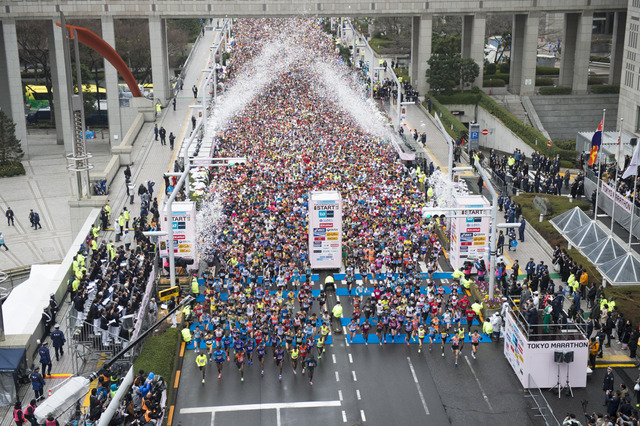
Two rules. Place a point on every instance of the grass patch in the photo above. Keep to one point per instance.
(555, 90)
(626, 298)
(605, 89)
(159, 354)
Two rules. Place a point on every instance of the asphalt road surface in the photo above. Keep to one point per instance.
(355, 384)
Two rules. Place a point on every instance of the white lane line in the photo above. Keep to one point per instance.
(340, 395)
(355, 379)
(333, 357)
(358, 394)
(415, 379)
(213, 418)
(344, 416)
(346, 338)
(266, 406)
(484, 395)
(278, 419)
(337, 377)
(364, 419)
(350, 359)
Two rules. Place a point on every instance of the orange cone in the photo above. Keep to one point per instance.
(49, 396)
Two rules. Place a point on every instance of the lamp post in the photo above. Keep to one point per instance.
(494, 225)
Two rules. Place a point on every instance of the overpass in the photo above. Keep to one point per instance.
(578, 21)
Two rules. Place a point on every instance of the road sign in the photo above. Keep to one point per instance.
(474, 135)
(549, 144)
(485, 132)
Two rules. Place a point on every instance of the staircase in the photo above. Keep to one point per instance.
(513, 104)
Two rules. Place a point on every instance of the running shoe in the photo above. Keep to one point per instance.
(295, 372)
(419, 350)
(280, 377)
(473, 355)
(242, 379)
(203, 381)
(311, 383)
(262, 372)
(220, 376)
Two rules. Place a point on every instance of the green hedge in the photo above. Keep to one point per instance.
(505, 67)
(565, 144)
(448, 119)
(605, 89)
(596, 58)
(494, 82)
(557, 90)
(12, 169)
(595, 80)
(159, 353)
(502, 76)
(544, 81)
(547, 71)
(467, 98)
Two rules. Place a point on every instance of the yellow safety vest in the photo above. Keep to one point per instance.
(127, 216)
(487, 327)
(195, 289)
(337, 311)
(186, 334)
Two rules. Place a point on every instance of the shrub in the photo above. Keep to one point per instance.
(605, 89)
(502, 76)
(544, 81)
(595, 80)
(596, 58)
(159, 353)
(505, 67)
(547, 71)
(556, 90)
(12, 169)
(458, 98)
(565, 144)
(490, 69)
(494, 82)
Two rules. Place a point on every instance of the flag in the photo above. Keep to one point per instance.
(632, 170)
(596, 140)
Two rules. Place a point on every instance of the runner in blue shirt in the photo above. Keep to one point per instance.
(260, 353)
(278, 355)
(227, 341)
(219, 357)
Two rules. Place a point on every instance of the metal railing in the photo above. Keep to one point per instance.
(562, 329)
(542, 405)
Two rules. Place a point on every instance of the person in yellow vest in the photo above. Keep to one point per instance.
(329, 282)
(477, 308)
(111, 250)
(337, 311)
(584, 283)
(487, 328)
(127, 217)
(121, 222)
(511, 161)
(107, 207)
(429, 193)
(201, 362)
(186, 334)
(158, 109)
(94, 245)
(95, 231)
(81, 259)
(186, 313)
(195, 288)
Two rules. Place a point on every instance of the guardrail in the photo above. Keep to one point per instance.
(542, 405)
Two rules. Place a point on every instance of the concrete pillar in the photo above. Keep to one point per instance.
(524, 50)
(111, 84)
(61, 108)
(159, 59)
(421, 52)
(473, 33)
(568, 47)
(582, 52)
(12, 100)
(617, 47)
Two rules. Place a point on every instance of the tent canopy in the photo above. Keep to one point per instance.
(13, 364)
(603, 250)
(624, 270)
(585, 235)
(570, 220)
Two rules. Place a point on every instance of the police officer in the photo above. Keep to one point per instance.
(45, 358)
(37, 382)
(10, 217)
(47, 321)
(53, 306)
(57, 336)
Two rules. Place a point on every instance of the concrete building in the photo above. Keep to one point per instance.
(629, 103)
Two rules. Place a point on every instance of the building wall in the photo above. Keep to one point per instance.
(629, 104)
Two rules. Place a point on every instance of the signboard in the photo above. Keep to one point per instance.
(469, 231)
(325, 229)
(457, 112)
(611, 193)
(535, 358)
(184, 230)
(474, 133)
(403, 112)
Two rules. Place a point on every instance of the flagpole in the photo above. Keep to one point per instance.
(615, 182)
(595, 207)
(633, 208)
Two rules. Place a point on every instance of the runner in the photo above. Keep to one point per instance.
(433, 332)
(219, 356)
(353, 329)
(260, 352)
(461, 336)
(201, 362)
(421, 333)
(475, 340)
(455, 346)
(197, 337)
(227, 342)
(443, 338)
(365, 327)
(320, 346)
(311, 365)
(380, 332)
(208, 341)
(278, 356)
(294, 353)
(239, 357)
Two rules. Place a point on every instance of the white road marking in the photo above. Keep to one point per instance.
(358, 394)
(278, 420)
(415, 379)
(333, 357)
(484, 395)
(364, 419)
(340, 395)
(265, 406)
(344, 416)
(346, 338)
(350, 359)
(337, 377)
(213, 418)
(355, 379)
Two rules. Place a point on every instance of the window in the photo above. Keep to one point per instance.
(637, 118)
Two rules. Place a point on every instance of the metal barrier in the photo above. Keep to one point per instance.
(542, 405)
(562, 330)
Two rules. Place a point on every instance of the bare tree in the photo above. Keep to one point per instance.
(132, 43)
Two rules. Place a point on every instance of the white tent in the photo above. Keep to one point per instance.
(603, 250)
(22, 310)
(624, 270)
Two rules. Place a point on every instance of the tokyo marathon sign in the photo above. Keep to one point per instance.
(325, 229)
(184, 230)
